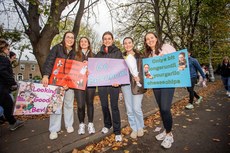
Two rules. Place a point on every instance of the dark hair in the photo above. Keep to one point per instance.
(11, 54)
(158, 45)
(79, 49)
(3, 44)
(64, 45)
(127, 38)
(182, 53)
(107, 33)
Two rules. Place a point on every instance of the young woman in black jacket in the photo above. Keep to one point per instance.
(7, 84)
(85, 97)
(109, 50)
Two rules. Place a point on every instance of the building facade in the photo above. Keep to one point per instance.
(26, 70)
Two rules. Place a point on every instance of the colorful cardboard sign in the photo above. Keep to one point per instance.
(170, 70)
(107, 71)
(33, 99)
(69, 72)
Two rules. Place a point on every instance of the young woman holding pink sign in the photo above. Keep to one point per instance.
(109, 50)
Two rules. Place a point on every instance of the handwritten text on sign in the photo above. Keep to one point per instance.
(69, 72)
(170, 70)
(107, 71)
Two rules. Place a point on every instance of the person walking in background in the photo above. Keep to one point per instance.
(85, 97)
(66, 50)
(194, 67)
(133, 94)
(7, 84)
(164, 96)
(224, 70)
(109, 50)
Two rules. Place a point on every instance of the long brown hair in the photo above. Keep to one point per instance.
(64, 45)
(3, 44)
(158, 45)
(78, 56)
(107, 33)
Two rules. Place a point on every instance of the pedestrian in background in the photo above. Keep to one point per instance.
(85, 97)
(133, 94)
(66, 50)
(164, 96)
(224, 70)
(7, 84)
(109, 50)
(194, 67)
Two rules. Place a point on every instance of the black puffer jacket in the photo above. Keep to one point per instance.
(56, 52)
(6, 72)
(223, 70)
(113, 52)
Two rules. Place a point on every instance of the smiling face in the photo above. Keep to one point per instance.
(69, 40)
(181, 57)
(128, 45)
(84, 44)
(151, 40)
(107, 40)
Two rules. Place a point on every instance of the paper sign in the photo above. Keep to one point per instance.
(170, 70)
(107, 71)
(69, 72)
(33, 98)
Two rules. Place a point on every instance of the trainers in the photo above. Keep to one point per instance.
(161, 136)
(70, 129)
(16, 125)
(53, 135)
(199, 100)
(91, 128)
(118, 138)
(133, 135)
(189, 106)
(81, 129)
(167, 142)
(105, 130)
(140, 132)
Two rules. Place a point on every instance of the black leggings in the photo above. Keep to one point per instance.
(7, 104)
(85, 97)
(191, 91)
(164, 97)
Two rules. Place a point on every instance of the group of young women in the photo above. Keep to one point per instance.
(132, 96)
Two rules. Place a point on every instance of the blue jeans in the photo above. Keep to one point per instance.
(55, 119)
(226, 82)
(164, 97)
(133, 105)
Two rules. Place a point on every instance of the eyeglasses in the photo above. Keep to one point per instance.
(50, 107)
(20, 106)
(68, 37)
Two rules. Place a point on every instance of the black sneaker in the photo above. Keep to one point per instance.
(16, 125)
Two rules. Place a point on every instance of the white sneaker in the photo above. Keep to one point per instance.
(105, 130)
(53, 135)
(199, 100)
(167, 142)
(118, 138)
(189, 106)
(161, 136)
(91, 128)
(81, 129)
(70, 129)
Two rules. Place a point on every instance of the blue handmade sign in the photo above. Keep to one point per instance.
(170, 70)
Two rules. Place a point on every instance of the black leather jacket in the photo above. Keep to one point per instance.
(56, 52)
(113, 52)
(6, 72)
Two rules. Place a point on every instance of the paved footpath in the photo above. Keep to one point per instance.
(33, 137)
(205, 129)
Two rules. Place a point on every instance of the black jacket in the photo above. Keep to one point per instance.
(113, 52)
(224, 70)
(56, 52)
(6, 71)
